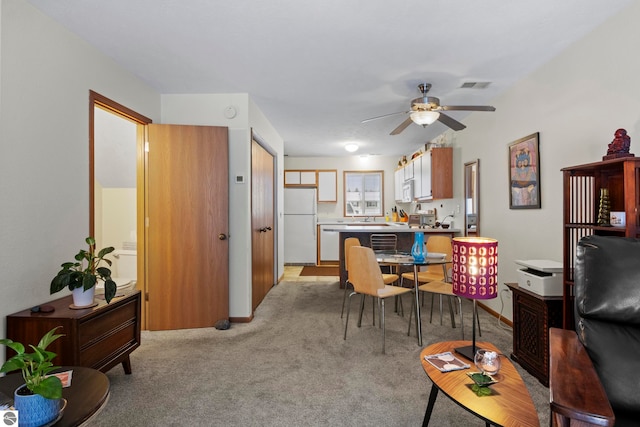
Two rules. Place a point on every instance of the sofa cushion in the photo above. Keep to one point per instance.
(607, 279)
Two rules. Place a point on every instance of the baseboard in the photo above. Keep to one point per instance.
(241, 319)
(496, 315)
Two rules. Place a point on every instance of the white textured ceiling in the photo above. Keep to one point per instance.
(318, 68)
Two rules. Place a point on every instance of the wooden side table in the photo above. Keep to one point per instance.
(100, 337)
(533, 315)
(509, 404)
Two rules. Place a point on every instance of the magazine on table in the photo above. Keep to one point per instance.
(446, 362)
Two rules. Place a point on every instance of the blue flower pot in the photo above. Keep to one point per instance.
(35, 410)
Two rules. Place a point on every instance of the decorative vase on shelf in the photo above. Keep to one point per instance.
(604, 210)
(418, 250)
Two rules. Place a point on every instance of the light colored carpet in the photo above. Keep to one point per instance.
(291, 366)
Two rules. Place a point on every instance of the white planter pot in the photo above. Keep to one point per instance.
(82, 298)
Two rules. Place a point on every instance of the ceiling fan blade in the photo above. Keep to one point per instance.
(468, 107)
(452, 123)
(383, 116)
(402, 126)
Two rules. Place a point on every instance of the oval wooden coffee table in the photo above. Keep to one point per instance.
(510, 403)
(88, 394)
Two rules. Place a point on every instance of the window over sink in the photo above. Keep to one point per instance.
(363, 193)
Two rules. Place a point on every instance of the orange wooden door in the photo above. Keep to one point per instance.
(262, 224)
(187, 209)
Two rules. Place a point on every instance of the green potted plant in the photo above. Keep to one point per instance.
(82, 275)
(38, 400)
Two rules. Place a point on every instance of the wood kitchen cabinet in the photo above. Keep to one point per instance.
(437, 174)
(582, 185)
(100, 337)
(533, 315)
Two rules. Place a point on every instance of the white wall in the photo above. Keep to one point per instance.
(576, 102)
(45, 77)
(208, 109)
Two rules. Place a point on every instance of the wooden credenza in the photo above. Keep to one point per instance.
(99, 337)
(533, 315)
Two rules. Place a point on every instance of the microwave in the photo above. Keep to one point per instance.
(407, 191)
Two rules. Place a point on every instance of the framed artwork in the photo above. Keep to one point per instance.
(524, 173)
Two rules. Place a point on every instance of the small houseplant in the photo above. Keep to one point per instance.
(38, 400)
(84, 273)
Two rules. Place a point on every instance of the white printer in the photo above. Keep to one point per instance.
(540, 276)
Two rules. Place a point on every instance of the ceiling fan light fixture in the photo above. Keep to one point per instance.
(424, 117)
(352, 148)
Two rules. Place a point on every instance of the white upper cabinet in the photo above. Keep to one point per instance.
(300, 177)
(417, 175)
(328, 186)
(399, 182)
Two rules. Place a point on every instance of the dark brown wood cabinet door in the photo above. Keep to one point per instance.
(187, 224)
(262, 225)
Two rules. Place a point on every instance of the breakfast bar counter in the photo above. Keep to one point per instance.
(364, 232)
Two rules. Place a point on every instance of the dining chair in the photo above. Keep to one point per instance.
(434, 279)
(435, 244)
(389, 243)
(435, 272)
(367, 279)
(349, 242)
(441, 289)
(386, 277)
(384, 242)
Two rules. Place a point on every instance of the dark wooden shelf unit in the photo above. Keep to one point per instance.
(582, 186)
(533, 315)
(99, 337)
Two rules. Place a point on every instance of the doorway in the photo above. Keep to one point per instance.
(118, 113)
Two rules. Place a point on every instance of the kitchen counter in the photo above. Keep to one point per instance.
(364, 232)
(371, 227)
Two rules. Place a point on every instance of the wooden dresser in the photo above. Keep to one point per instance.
(99, 337)
(533, 315)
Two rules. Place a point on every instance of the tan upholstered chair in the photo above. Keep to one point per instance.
(366, 278)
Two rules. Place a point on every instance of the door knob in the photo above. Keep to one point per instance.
(222, 236)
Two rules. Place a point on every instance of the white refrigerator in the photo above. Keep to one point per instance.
(300, 237)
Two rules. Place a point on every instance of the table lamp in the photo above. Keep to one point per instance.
(474, 276)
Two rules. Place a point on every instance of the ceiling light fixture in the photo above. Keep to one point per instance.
(424, 117)
(351, 147)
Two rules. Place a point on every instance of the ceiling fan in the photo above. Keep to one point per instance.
(427, 109)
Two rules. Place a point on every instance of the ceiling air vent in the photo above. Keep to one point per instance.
(475, 85)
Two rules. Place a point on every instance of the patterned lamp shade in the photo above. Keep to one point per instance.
(475, 267)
